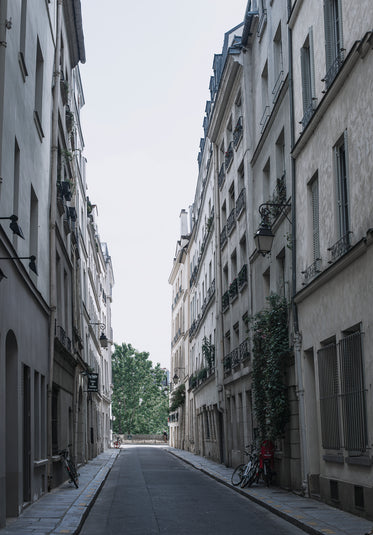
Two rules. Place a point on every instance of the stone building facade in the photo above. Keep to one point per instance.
(47, 321)
(286, 141)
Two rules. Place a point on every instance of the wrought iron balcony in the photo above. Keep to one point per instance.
(63, 338)
(231, 221)
(333, 70)
(264, 119)
(235, 357)
(278, 85)
(233, 290)
(340, 247)
(244, 350)
(221, 175)
(229, 156)
(242, 277)
(237, 133)
(308, 112)
(227, 364)
(311, 272)
(240, 203)
(225, 301)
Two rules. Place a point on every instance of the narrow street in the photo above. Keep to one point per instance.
(150, 491)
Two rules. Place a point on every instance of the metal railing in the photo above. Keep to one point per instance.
(231, 221)
(333, 70)
(228, 156)
(311, 271)
(221, 175)
(241, 202)
(340, 247)
(237, 133)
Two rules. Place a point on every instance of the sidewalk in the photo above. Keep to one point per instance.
(64, 509)
(312, 516)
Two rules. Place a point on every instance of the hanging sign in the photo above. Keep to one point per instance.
(92, 382)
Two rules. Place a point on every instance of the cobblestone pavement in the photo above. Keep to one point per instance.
(63, 510)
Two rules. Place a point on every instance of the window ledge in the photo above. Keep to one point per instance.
(361, 460)
(38, 125)
(330, 458)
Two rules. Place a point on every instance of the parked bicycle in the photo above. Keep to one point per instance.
(259, 465)
(70, 466)
(117, 442)
(245, 474)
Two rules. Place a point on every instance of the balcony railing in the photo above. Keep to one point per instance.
(242, 277)
(277, 87)
(231, 222)
(233, 290)
(264, 119)
(237, 133)
(227, 364)
(223, 237)
(308, 112)
(63, 338)
(225, 301)
(244, 350)
(333, 70)
(228, 156)
(240, 203)
(311, 272)
(340, 247)
(235, 357)
(221, 175)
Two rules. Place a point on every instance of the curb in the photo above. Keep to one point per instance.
(75, 516)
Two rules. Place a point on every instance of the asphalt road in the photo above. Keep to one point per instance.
(150, 491)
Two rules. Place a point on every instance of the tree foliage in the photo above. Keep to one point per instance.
(140, 397)
(270, 358)
(177, 397)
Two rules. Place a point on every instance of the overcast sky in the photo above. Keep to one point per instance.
(146, 82)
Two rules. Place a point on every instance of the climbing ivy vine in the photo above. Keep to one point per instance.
(270, 358)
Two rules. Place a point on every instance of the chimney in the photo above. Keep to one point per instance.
(183, 223)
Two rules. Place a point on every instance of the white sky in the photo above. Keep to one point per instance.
(146, 82)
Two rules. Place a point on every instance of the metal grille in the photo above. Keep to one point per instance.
(329, 390)
(353, 393)
(342, 395)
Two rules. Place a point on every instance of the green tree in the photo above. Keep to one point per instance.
(140, 397)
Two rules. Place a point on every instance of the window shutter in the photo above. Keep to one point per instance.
(328, 25)
(312, 65)
(304, 69)
(315, 218)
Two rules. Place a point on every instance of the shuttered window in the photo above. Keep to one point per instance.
(342, 395)
(315, 218)
(329, 391)
(333, 38)
(341, 166)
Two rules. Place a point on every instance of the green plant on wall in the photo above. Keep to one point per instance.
(208, 351)
(270, 358)
(177, 397)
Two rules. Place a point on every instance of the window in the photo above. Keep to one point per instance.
(22, 41)
(265, 107)
(277, 63)
(341, 166)
(39, 74)
(314, 187)
(342, 395)
(333, 39)
(308, 78)
(34, 223)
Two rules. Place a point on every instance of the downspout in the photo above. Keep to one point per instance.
(297, 335)
(52, 233)
(218, 293)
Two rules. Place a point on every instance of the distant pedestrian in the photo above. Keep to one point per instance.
(165, 437)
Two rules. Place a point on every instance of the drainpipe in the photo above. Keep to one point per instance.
(3, 30)
(52, 233)
(297, 334)
(218, 292)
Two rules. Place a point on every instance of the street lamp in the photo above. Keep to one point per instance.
(264, 236)
(176, 378)
(104, 341)
(14, 225)
(32, 258)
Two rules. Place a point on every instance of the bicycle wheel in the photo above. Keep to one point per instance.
(248, 480)
(238, 474)
(72, 473)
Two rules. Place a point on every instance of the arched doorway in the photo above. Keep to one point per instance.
(11, 425)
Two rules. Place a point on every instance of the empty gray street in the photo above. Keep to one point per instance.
(150, 491)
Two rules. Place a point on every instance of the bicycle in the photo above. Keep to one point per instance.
(70, 466)
(244, 474)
